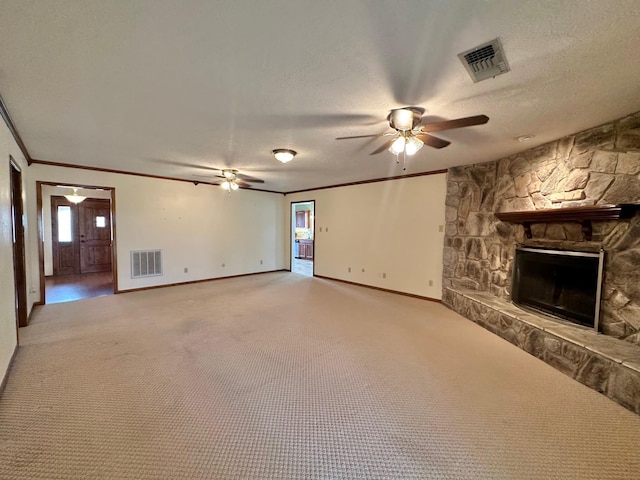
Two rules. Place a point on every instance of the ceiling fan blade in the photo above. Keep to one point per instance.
(432, 141)
(457, 123)
(310, 120)
(360, 136)
(186, 164)
(202, 175)
(243, 183)
(248, 178)
(385, 146)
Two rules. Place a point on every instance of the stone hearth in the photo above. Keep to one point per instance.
(599, 166)
(606, 364)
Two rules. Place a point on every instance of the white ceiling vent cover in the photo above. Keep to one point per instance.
(485, 61)
(146, 263)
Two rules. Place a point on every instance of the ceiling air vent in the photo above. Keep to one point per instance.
(485, 61)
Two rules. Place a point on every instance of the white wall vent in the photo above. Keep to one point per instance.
(485, 61)
(146, 263)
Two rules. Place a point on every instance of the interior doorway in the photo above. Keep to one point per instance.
(19, 268)
(303, 248)
(78, 255)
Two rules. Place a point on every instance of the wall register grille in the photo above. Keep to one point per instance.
(146, 263)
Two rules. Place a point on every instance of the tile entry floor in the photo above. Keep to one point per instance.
(302, 266)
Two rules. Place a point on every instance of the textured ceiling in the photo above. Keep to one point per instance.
(168, 87)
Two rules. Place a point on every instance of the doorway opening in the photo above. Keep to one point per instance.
(78, 256)
(17, 224)
(303, 237)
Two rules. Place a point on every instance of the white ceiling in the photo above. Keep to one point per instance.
(166, 87)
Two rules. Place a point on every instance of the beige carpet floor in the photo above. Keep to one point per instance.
(280, 376)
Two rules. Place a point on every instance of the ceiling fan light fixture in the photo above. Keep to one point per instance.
(284, 155)
(402, 119)
(229, 185)
(413, 145)
(397, 147)
(75, 198)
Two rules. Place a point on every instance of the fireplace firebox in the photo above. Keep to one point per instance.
(566, 284)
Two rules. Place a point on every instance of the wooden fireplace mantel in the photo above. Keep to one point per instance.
(583, 215)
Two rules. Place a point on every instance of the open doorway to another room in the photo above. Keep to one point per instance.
(303, 237)
(17, 224)
(78, 256)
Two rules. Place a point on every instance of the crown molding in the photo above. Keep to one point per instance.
(4, 112)
(373, 180)
(137, 174)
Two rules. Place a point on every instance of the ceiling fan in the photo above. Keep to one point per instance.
(234, 180)
(410, 134)
(229, 175)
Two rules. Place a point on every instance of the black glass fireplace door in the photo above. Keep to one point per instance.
(566, 284)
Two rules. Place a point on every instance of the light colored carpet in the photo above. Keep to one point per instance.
(279, 376)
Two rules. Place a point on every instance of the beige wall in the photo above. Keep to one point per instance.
(391, 227)
(197, 227)
(8, 147)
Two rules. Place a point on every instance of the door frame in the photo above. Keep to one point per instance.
(19, 260)
(292, 220)
(112, 203)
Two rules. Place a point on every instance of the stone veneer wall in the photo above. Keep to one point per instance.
(597, 166)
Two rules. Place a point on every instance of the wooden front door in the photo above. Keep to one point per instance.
(81, 236)
(95, 235)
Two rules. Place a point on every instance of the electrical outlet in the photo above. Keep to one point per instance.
(384, 275)
(326, 229)
(223, 265)
(363, 270)
(260, 262)
(321, 229)
(441, 228)
(186, 270)
(431, 283)
(349, 269)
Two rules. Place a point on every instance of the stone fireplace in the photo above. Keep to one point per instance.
(594, 168)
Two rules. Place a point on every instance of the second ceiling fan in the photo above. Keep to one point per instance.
(410, 134)
(232, 179)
